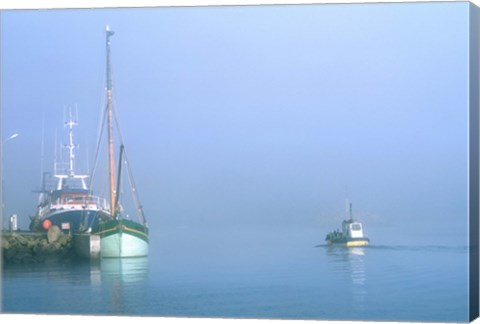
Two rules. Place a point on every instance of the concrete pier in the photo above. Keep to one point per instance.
(87, 246)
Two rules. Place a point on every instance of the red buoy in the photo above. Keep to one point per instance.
(46, 224)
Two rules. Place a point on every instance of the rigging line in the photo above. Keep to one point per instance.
(138, 205)
(97, 153)
(116, 212)
(134, 188)
(129, 170)
(42, 152)
(87, 151)
(102, 103)
(100, 128)
(89, 225)
(117, 124)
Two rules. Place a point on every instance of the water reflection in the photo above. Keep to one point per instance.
(123, 282)
(349, 263)
(126, 270)
(124, 277)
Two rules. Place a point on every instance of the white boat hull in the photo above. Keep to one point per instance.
(123, 245)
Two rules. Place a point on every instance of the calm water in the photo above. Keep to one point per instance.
(397, 283)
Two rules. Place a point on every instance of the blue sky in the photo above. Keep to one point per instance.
(255, 118)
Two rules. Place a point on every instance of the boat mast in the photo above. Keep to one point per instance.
(348, 208)
(111, 157)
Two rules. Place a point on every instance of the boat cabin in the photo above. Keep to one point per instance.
(352, 229)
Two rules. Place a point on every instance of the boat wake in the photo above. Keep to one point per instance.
(413, 248)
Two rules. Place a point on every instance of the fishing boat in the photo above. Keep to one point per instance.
(119, 236)
(66, 202)
(352, 233)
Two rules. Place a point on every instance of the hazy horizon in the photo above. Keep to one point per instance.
(254, 122)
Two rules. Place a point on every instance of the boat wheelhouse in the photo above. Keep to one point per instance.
(67, 203)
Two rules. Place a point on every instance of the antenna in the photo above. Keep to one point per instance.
(42, 152)
(71, 146)
(55, 154)
(347, 207)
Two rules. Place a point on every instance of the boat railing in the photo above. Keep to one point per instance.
(80, 202)
(101, 202)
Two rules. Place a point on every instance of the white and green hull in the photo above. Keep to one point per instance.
(122, 245)
(123, 239)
